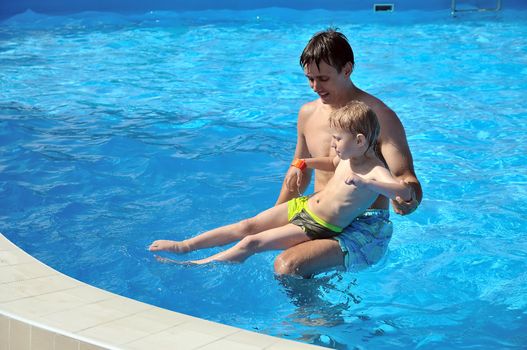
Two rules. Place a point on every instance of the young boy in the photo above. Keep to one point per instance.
(359, 178)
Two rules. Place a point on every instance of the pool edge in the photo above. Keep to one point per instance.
(41, 308)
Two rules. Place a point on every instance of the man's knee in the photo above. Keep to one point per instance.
(310, 258)
(287, 264)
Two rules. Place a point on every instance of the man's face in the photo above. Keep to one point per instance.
(326, 81)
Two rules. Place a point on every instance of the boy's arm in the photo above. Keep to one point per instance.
(391, 190)
(322, 163)
(383, 183)
(295, 176)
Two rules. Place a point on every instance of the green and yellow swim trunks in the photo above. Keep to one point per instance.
(315, 228)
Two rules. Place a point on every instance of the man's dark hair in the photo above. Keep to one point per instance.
(329, 46)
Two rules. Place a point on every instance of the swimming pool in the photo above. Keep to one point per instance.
(119, 129)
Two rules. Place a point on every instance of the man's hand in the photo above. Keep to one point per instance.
(402, 207)
(293, 179)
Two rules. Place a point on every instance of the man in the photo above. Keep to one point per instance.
(328, 62)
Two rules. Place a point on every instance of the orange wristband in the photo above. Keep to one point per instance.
(299, 163)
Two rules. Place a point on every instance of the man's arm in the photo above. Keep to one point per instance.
(301, 151)
(396, 152)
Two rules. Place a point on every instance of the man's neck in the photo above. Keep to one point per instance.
(349, 94)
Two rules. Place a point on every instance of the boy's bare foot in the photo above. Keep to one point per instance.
(171, 261)
(209, 260)
(204, 261)
(170, 246)
(198, 262)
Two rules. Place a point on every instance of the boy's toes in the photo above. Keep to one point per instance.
(154, 246)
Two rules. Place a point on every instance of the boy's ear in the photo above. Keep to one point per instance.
(361, 139)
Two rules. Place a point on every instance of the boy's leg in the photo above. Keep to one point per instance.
(277, 238)
(268, 219)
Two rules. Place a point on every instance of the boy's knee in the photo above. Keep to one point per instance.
(249, 243)
(247, 226)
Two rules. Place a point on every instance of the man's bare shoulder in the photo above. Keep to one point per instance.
(391, 125)
(307, 111)
(379, 107)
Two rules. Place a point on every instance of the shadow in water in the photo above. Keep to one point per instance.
(321, 304)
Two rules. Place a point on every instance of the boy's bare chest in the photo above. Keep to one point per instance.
(345, 172)
(342, 193)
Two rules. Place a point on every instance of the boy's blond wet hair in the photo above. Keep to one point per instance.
(357, 118)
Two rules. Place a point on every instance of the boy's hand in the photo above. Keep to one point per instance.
(356, 180)
(293, 179)
(402, 207)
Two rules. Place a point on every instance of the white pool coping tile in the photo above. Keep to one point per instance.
(40, 304)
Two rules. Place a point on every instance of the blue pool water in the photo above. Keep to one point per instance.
(117, 130)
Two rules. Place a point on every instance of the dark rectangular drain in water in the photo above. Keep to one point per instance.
(383, 7)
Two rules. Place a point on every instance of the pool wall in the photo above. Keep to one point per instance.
(9, 8)
(43, 309)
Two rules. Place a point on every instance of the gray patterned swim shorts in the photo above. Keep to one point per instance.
(365, 240)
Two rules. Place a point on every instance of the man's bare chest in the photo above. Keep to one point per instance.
(318, 138)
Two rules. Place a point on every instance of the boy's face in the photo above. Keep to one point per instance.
(346, 144)
(326, 81)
